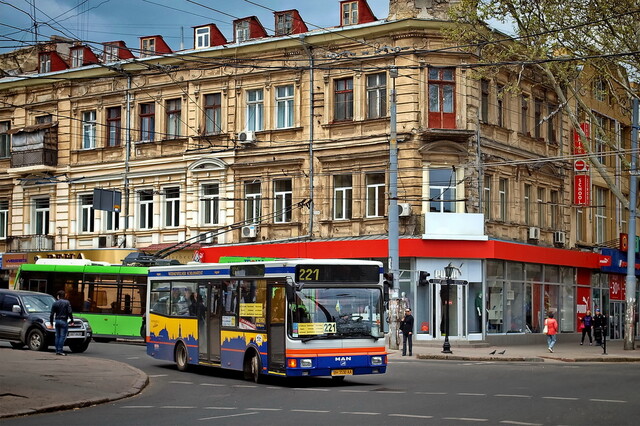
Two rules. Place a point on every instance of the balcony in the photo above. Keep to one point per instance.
(34, 148)
(22, 243)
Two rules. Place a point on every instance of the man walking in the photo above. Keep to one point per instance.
(406, 326)
(61, 313)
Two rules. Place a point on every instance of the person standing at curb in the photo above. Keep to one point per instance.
(61, 313)
(551, 327)
(587, 322)
(599, 324)
(406, 326)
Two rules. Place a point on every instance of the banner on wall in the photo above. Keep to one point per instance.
(582, 190)
(582, 304)
(617, 287)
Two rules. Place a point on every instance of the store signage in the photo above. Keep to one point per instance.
(578, 146)
(582, 190)
(616, 287)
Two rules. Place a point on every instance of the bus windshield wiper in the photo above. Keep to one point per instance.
(318, 337)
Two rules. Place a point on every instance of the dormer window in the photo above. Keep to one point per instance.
(45, 62)
(242, 31)
(284, 23)
(148, 47)
(203, 37)
(111, 53)
(350, 13)
(77, 58)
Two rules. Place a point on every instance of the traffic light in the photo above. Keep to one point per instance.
(388, 285)
(424, 278)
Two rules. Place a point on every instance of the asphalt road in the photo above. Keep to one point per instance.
(414, 391)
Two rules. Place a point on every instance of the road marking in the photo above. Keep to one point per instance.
(244, 386)
(138, 406)
(390, 391)
(312, 389)
(431, 393)
(220, 408)
(412, 416)
(561, 397)
(178, 407)
(212, 384)
(264, 409)
(608, 400)
(471, 394)
(465, 419)
(352, 390)
(230, 415)
(512, 396)
(513, 422)
(158, 375)
(133, 357)
(310, 411)
(360, 413)
(176, 382)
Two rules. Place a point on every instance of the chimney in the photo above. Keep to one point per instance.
(423, 9)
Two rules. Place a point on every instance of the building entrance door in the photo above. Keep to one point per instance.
(616, 320)
(455, 297)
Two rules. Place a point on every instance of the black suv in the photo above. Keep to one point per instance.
(24, 320)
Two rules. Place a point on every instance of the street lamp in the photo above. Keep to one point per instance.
(448, 272)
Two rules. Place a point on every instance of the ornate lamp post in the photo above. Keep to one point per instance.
(448, 272)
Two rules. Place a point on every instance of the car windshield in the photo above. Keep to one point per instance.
(38, 302)
(334, 313)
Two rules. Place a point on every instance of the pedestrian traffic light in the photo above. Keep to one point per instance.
(424, 278)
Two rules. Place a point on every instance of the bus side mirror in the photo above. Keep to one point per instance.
(291, 292)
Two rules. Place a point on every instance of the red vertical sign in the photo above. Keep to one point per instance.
(578, 147)
(582, 190)
(616, 287)
(583, 303)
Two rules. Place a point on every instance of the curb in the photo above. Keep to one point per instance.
(480, 358)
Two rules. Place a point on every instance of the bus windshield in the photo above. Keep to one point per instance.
(335, 313)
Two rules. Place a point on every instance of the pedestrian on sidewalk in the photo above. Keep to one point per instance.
(551, 325)
(599, 325)
(587, 322)
(406, 326)
(60, 315)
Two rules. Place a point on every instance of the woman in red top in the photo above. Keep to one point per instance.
(552, 330)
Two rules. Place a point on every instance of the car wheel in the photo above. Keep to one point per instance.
(182, 357)
(17, 345)
(79, 347)
(252, 368)
(35, 340)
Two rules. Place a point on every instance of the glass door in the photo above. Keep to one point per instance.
(616, 320)
(451, 296)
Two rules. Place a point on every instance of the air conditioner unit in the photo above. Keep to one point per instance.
(534, 233)
(559, 238)
(404, 209)
(249, 231)
(246, 137)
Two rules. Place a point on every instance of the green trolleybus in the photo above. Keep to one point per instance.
(284, 318)
(111, 297)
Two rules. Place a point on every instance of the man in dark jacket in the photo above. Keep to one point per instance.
(60, 315)
(406, 326)
(599, 327)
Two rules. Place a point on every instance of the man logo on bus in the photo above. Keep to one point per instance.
(342, 358)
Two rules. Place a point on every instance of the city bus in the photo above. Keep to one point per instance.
(289, 318)
(111, 297)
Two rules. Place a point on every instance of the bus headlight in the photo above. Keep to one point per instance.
(376, 360)
(305, 363)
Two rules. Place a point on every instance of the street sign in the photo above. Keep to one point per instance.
(580, 166)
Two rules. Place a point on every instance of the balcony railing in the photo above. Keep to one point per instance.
(34, 145)
(22, 243)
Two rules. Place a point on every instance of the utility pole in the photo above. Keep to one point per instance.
(393, 233)
(630, 315)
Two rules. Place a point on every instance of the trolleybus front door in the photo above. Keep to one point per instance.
(208, 312)
(276, 326)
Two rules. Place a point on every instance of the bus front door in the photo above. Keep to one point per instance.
(208, 312)
(276, 326)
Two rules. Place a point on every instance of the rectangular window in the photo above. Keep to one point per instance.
(484, 101)
(350, 13)
(45, 62)
(44, 119)
(114, 126)
(202, 37)
(210, 204)
(343, 99)
(111, 53)
(376, 194)
(284, 23)
(255, 110)
(527, 204)
(599, 89)
(88, 130)
(5, 139)
(600, 215)
(284, 106)
(342, 197)
(172, 207)
(147, 121)
(377, 95)
(173, 111)
(500, 103)
(600, 138)
(242, 31)
(213, 113)
(503, 188)
(4, 219)
(41, 216)
(524, 115)
(486, 192)
(580, 224)
(442, 190)
(77, 58)
(111, 220)
(542, 210)
(253, 202)
(283, 200)
(148, 47)
(555, 209)
(537, 119)
(442, 88)
(87, 214)
(145, 212)
(552, 112)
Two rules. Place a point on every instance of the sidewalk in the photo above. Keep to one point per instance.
(564, 351)
(37, 382)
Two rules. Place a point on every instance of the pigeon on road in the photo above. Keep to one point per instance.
(491, 353)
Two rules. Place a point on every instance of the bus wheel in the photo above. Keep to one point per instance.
(182, 357)
(252, 368)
